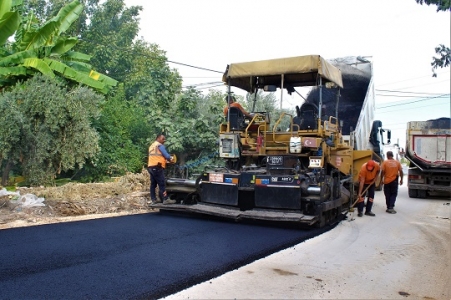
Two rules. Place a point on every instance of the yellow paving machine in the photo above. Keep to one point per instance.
(306, 173)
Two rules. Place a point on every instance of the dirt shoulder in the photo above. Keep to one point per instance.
(75, 201)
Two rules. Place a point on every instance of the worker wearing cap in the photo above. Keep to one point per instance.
(232, 103)
(391, 172)
(367, 177)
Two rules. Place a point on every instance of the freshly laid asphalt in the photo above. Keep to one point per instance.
(145, 256)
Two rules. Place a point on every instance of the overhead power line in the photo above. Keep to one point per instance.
(200, 68)
(401, 92)
(208, 87)
(410, 102)
(407, 96)
(202, 86)
(411, 79)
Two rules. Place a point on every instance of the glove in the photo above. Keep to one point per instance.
(172, 158)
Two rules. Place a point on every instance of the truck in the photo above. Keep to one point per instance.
(306, 174)
(356, 108)
(428, 150)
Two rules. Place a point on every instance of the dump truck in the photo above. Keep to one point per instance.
(356, 106)
(428, 150)
(306, 174)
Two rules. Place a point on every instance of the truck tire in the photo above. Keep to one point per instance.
(413, 193)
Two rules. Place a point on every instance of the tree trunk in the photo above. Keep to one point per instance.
(6, 170)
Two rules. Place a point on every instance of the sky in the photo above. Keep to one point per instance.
(399, 37)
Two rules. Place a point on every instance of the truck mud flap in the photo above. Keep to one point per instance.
(236, 214)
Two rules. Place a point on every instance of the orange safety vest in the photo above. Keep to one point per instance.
(155, 156)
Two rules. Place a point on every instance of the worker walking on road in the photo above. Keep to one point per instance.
(391, 171)
(155, 166)
(367, 177)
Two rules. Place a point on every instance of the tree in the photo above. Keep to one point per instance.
(122, 146)
(267, 102)
(442, 51)
(443, 60)
(442, 5)
(108, 34)
(43, 48)
(50, 127)
(192, 124)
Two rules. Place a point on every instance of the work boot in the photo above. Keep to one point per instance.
(169, 201)
(360, 207)
(360, 214)
(391, 211)
(369, 206)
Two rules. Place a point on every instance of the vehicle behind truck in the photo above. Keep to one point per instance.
(428, 150)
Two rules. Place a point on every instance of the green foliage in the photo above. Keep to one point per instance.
(9, 22)
(442, 5)
(50, 127)
(150, 81)
(191, 124)
(443, 52)
(42, 48)
(267, 102)
(12, 126)
(108, 36)
(123, 137)
(443, 60)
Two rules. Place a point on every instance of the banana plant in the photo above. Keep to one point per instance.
(44, 49)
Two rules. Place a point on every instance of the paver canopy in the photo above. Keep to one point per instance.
(296, 71)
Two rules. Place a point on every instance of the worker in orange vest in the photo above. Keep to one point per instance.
(158, 156)
(232, 103)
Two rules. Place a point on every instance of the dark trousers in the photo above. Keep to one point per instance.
(157, 178)
(369, 194)
(391, 192)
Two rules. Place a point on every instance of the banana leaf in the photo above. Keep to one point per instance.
(9, 22)
(42, 37)
(17, 58)
(13, 71)
(5, 6)
(107, 80)
(72, 74)
(79, 66)
(64, 45)
(68, 15)
(74, 55)
(39, 65)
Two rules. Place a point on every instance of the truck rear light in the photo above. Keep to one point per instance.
(416, 179)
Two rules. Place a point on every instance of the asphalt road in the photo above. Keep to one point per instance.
(144, 256)
(401, 256)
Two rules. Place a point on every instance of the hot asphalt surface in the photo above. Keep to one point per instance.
(143, 256)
